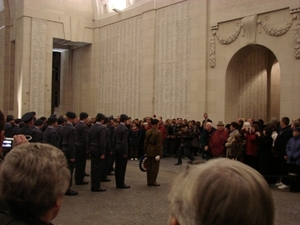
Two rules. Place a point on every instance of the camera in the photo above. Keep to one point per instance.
(7, 145)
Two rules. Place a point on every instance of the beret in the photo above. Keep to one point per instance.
(83, 115)
(154, 121)
(27, 117)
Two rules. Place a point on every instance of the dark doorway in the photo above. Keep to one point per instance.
(55, 80)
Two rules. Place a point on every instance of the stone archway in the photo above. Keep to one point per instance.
(252, 84)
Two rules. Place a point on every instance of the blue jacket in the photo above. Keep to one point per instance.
(293, 151)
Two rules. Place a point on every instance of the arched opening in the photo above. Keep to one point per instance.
(252, 84)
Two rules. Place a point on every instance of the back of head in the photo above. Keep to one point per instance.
(123, 117)
(9, 118)
(83, 115)
(32, 177)
(234, 124)
(286, 120)
(221, 191)
(61, 120)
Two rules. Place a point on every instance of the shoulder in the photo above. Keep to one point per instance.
(8, 219)
(157, 132)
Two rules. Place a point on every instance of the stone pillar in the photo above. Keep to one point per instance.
(38, 85)
(33, 74)
(22, 66)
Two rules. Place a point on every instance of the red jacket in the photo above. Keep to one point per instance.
(162, 131)
(217, 142)
(251, 144)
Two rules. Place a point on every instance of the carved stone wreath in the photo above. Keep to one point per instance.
(225, 40)
(272, 31)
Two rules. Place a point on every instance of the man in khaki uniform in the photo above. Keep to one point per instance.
(153, 148)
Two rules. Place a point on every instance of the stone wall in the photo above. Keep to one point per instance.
(171, 58)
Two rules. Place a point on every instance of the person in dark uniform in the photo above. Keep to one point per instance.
(27, 128)
(121, 151)
(8, 130)
(16, 127)
(111, 127)
(153, 148)
(38, 124)
(50, 135)
(81, 148)
(68, 140)
(97, 143)
(107, 160)
(60, 124)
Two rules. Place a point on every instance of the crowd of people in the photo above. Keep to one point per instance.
(272, 149)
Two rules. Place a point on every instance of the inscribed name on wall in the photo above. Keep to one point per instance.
(38, 65)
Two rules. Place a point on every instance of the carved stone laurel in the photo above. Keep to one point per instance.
(297, 39)
(272, 31)
(225, 40)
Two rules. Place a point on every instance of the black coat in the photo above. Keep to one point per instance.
(134, 137)
(68, 140)
(50, 136)
(96, 136)
(107, 140)
(8, 130)
(82, 135)
(121, 139)
(26, 130)
(282, 139)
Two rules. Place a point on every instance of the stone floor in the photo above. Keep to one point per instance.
(147, 205)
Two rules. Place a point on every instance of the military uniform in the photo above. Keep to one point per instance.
(107, 163)
(81, 149)
(153, 148)
(121, 153)
(50, 136)
(8, 130)
(68, 139)
(112, 156)
(39, 133)
(96, 135)
(26, 129)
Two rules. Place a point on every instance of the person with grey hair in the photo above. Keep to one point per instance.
(33, 180)
(198, 195)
